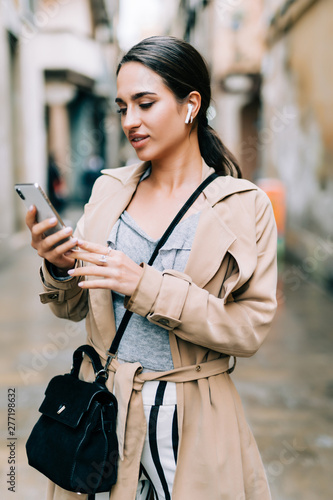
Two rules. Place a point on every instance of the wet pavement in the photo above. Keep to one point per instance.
(287, 392)
(286, 388)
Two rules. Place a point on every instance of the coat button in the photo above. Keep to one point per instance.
(198, 368)
(164, 321)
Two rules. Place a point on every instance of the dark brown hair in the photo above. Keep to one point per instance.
(183, 70)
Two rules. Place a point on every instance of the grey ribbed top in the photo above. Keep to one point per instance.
(143, 341)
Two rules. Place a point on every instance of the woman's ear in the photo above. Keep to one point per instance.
(193, 106)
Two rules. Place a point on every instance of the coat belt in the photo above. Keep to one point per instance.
(129, 380)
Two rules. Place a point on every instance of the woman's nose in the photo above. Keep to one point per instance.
(131, 119)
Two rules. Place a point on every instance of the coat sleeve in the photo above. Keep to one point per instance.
(236, 325)
(65, 298)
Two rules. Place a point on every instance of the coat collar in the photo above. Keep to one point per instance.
(222, 187)
(127, 175)
(213, 236)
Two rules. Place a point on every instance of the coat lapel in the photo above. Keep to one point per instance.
(211, 242)
(103, 213)
(213, 237)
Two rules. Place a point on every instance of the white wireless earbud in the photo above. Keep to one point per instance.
(188, 116)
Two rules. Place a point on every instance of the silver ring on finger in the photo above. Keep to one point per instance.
(103, 259)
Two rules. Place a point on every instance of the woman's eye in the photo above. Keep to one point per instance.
(146, 105)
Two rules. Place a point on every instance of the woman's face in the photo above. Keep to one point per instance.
(151, 117)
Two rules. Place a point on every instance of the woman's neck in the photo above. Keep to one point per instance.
(177, 171)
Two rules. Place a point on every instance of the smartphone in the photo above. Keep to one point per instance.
(33, 194)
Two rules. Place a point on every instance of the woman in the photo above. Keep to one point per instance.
(209, 295)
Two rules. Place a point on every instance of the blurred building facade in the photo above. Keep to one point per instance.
(272, 78)
(57, 80)
(230, 35)
(139, 20)
(297, 128)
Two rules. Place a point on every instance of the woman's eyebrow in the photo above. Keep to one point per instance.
(134, 97)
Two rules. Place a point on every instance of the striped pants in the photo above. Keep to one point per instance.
(159, 455)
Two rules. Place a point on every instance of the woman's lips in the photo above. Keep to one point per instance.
(139, 141)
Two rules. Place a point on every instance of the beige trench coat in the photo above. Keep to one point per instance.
(222, 304)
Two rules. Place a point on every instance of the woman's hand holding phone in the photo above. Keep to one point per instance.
(48, 247)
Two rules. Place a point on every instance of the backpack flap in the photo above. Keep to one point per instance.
(67, 399)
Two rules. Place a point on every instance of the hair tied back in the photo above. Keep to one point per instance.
(183, 70)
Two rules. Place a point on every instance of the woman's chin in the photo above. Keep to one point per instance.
(143, 155)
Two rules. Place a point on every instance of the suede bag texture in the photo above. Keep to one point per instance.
(74, 442)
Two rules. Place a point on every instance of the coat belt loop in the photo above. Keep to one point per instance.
(231, 369)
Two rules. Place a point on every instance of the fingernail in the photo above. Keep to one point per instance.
(53, 220)
(71, 271)
(31, 208)
(74, 241)
(68, 230)
(80, 242)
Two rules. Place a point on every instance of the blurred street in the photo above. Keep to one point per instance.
(271, 73)
(287, 388)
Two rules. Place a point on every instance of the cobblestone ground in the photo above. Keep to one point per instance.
(286, 388)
